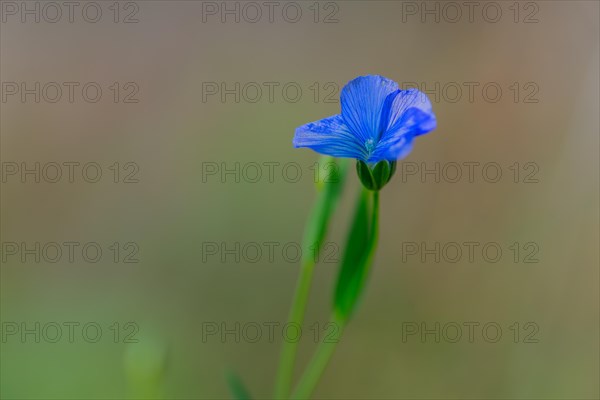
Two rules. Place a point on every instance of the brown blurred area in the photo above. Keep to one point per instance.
(514, 97)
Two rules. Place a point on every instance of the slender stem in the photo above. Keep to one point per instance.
(319, 362)
(288, 355)
(314, 233)
(375, 223)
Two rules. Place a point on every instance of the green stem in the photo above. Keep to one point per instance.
(314, 235)
(317, 365)
(290, 348)
(374, 226)
(319, 362)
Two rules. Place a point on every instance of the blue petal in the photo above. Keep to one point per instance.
(397, 144)
(330, 136)
(397, 104)
(362, 101)
(395, 148)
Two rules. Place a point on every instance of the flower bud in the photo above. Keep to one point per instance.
(375, 176)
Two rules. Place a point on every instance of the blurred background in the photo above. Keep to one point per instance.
(187, 111)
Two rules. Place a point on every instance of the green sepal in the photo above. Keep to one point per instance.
(393, 165)
(376, 176)
(381, 173)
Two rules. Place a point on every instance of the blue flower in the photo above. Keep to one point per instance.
(378, 122)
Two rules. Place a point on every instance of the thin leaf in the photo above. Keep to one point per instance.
(358, 255)
(236, 386)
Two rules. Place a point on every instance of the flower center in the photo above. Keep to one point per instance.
(370, 145)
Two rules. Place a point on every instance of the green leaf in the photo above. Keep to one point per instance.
(358, 255)
(236, 387)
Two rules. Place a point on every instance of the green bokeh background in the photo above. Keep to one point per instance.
(171, 132)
